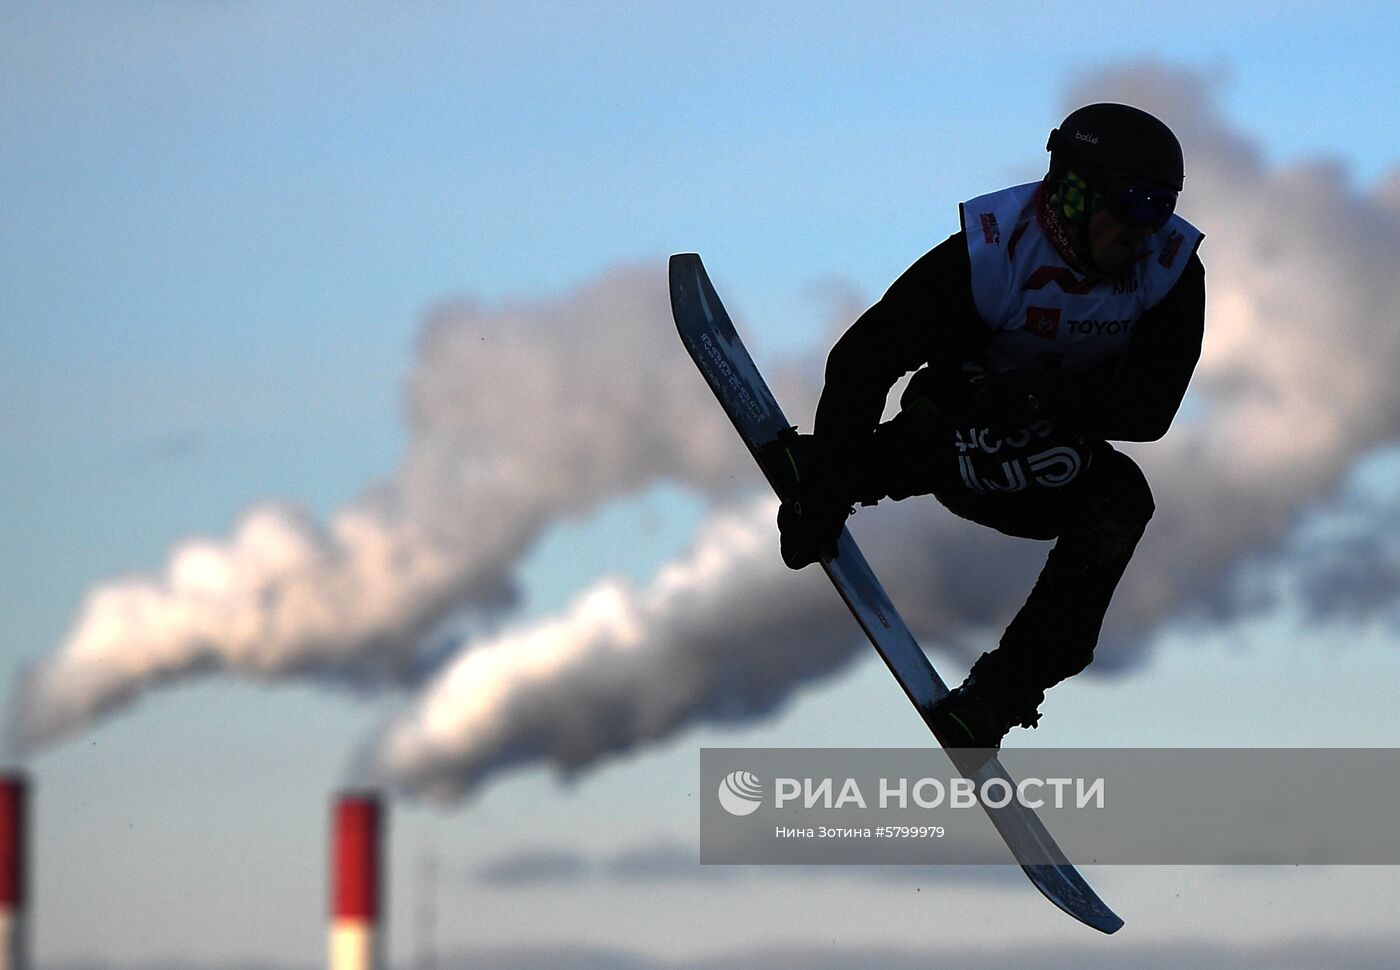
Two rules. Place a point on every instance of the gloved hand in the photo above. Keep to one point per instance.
(816, 504)
(809, 532)
(1012, 400)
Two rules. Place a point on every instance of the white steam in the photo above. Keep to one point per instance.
(519, 417)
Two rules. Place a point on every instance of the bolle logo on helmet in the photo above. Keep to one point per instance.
(740, 793)
(1082, 136)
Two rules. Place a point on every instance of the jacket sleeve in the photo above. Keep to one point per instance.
(927, 314)
(1139, 401)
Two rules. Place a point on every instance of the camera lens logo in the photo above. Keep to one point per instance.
(741, 793)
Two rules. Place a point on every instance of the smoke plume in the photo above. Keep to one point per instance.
(623, 664)
(519, 417)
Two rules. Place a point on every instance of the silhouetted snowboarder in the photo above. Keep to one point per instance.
(1065, 314)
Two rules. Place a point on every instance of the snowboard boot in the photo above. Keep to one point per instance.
(979, 713)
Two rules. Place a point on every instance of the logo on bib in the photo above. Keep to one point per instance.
(1171, 248)
(1062, 277)
(991, 232)
(1042, 321)
(1100, 328)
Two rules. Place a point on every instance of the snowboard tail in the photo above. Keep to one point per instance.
(714, 345)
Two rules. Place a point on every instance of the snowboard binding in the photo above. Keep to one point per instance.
(980, 712)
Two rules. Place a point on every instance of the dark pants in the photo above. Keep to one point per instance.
(1096, 520)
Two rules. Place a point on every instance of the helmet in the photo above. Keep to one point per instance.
(1116, 157)
(1113, 142)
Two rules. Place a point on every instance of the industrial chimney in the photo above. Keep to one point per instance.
(355, 866)
(14, 949)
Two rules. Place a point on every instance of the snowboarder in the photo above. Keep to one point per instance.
(1066, 313)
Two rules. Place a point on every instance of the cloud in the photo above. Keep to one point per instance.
(678, 863)
(1285, 954)
(534, 867)
(660, 862)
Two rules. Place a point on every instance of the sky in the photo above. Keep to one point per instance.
(344, 435)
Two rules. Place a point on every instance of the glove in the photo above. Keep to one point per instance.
(809, 532)
(1012, 400)
(815, 504)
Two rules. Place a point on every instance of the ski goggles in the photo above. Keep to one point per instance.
(1142, 205)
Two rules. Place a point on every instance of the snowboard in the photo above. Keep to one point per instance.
(714, 345)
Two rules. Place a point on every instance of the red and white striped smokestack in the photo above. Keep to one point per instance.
(14, 949)
(355, 938)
